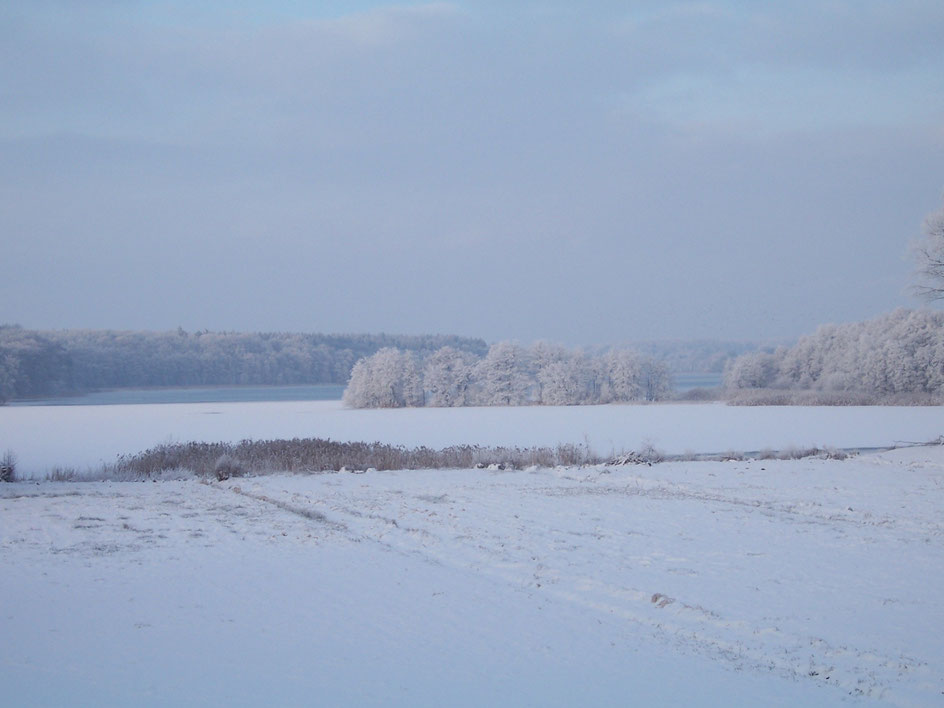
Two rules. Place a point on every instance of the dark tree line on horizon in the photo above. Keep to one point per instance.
(42, 363)
(36, 363)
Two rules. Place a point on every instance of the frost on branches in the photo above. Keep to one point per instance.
(388, 379)
(508, 375)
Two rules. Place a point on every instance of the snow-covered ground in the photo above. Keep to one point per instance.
(85, 436)
(810, 582)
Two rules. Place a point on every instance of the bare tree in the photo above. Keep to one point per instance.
(929, 256)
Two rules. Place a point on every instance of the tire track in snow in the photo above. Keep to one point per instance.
(529, 557)
(305, 513)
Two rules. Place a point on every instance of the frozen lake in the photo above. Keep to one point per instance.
(194, 394)
(257, 394)
(86, 436)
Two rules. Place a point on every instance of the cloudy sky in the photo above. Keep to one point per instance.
(587, 173)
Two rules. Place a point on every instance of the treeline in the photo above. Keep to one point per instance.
(45, 363)
(508, 375)
(895, 358)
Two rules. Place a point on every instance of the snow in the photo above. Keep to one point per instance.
(86, 436)
(807, 582)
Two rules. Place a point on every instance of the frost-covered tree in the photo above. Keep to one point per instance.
(503, 376)
(447, 378)
(622, 378)
(388, 379)
(929, 256)
(656, 380)
(591, 372)
(543, 353)
(754, 370)
(570, 379)
(560, 384)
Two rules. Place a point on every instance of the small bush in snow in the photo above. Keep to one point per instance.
(8, 467)
(646, 455)
(731, 456)
(226, 467)
(700, 395)
(650, 454)
(833, 454)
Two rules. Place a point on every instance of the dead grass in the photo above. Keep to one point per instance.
(315, 455)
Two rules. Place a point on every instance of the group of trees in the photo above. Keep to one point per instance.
(45, 363)
(898, 353)
(508, 375)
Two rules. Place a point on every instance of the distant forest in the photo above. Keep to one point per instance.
(47, 363)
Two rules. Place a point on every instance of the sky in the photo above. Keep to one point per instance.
(586, 173)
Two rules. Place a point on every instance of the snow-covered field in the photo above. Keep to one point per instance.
(810, 582)
(85, 436)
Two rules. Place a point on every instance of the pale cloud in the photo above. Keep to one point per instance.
(387, 25)
(875, 34)
(142, 79)
(758, 101)
(767, 68)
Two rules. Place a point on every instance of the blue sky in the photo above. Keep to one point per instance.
(584, 173)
